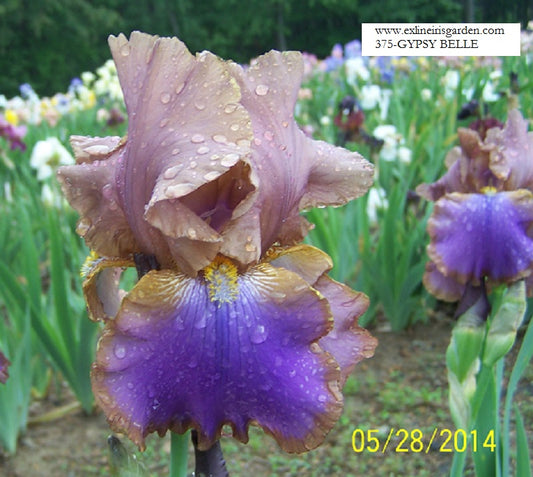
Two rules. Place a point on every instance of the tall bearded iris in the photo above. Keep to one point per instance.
(482, 224)
(236, 323)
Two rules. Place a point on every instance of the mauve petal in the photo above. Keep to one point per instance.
(346, 342)
(336, 177)
(101, 286)
(477, 235)
(175, 359)
(90, 189)
(186, 129)
(511, 158)
(444, 288)
(468, 168)
(295, 172)
(4, 365)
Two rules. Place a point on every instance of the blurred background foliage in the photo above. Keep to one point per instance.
(48, 42)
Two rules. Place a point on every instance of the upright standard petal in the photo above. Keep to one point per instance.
(511, 157)
(91, 190)
(221, 348)
(483, 235)
(295, 172)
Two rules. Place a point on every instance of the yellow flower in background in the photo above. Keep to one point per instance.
(11, 117)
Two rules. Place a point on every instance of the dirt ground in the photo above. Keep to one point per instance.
(403, 387)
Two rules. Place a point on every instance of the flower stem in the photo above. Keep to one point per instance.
(179, 444)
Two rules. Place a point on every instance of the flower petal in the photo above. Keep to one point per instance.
(511, 157)
(295, 172)
(478, 235)
(90, 189)
(176, 358)
(444, 288)
(347, 342)
(101, 286)
(4, 365)
(186, 130)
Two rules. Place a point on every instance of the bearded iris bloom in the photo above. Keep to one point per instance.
(236, 324)
(481, 228)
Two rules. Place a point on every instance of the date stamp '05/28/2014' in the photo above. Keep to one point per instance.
(416, 441)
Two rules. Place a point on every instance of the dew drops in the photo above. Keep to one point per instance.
(125, 50)
(210, 176)
(155, 404)
(259, 334)
(179, 88)
(175, 151)
(220, 138)
(229, 159)
(197, 139)
(322, 398)
(285, 124)
(165, 98)
(171, 172)
(163, 122)
(230, 108)
(203, 150)
(178, 190)
(199, 105)
(193, 164)
(268, 135)
(119, 351)
(129, 385)
(261, 89)
(235, 127)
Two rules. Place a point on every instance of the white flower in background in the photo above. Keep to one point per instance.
(490, 93)
(405, 154)
(47, 155)
(369, 96)
(450, 82)
(8, 194)
(393, 144)
(426, 94)
(377, 200)
(325, 120)
(356, 69)
(87, 77)
(384, 102)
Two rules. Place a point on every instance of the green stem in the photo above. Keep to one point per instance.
(179, 449)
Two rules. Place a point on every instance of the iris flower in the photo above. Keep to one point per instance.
(4, 365)
(237, 323)
(481, 228)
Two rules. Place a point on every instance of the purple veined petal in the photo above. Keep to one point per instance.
(4, 365)
(294, 171)
(185, 172)
(347, 342)
(101, 285)
(511, 158)
(220, 349)
(478, 235)
(90, 189)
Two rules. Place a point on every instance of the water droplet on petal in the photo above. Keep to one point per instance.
(119, 351)
(199, 105)
(268, 135)
(165, 98)
(220, 138)
(230, 108)
(129, 385)
(210, 176)
(197, 138)
(125, 50)
(322, 398)
(285, 124)
(175, 151)
(259, 334)
(178, 190)
(179, 88)
(235, 127)
(229, 159)
(261, 89)
(202, 150)
(163, 122)
(155, 404)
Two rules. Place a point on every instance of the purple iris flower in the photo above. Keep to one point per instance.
(239, 324)
(481, 228)
(14, 134)
(4, 365)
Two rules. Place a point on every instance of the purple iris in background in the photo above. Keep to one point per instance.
(4, 365)
(13, 134)
(481, 228)
(238, 324)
